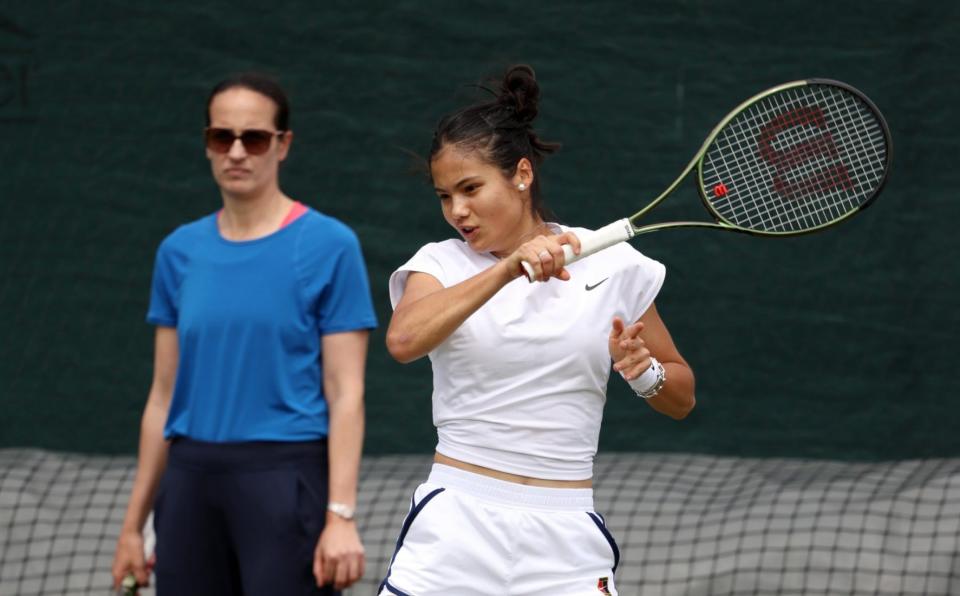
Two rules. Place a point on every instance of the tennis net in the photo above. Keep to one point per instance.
(686, 524)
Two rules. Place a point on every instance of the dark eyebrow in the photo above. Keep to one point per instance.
(460, 183)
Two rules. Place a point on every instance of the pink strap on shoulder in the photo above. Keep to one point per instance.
(296, 211)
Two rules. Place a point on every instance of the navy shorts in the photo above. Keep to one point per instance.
(240, 518)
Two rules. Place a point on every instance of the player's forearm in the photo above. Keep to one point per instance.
(676, 398)
(151, 462)
(419, 327)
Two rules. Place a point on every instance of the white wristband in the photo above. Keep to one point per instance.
(650, 382)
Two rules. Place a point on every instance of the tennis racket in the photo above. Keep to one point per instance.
(796, 158)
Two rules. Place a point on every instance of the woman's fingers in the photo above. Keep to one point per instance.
(129, 560)
(616, 329)
(571, 239)
(545, 256)
(632, 366)
(633, 331)
(548, 262)
(534, 257)
(627, 348)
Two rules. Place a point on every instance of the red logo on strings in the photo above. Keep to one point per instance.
(823, 147)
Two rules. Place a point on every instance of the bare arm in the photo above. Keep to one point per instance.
(428, 312)
(339, 556)
(631, 348)
(151, 460)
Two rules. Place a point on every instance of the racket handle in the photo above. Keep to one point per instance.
(591, 242)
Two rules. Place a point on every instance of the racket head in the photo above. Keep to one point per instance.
(794, 159)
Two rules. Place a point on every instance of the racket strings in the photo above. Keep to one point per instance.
(822, 174)
(777, 214)
(796, 160)
(821, 171)
(772, 215)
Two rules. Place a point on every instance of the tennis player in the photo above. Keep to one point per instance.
(254, 419)
(519, 369)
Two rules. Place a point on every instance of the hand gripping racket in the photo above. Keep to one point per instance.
(796, 158)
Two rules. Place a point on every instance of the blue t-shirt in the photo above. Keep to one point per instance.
(250, 317)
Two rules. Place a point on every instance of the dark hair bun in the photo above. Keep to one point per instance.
(520, 92)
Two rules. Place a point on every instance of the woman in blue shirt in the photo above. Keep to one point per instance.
(251, 437)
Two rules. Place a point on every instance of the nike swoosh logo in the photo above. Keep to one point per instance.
(588, 287)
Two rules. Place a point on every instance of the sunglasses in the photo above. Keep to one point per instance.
(255, 142)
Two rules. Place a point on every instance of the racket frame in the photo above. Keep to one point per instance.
(626, 228)
(720, 222)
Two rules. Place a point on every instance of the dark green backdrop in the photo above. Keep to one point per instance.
(834, 345)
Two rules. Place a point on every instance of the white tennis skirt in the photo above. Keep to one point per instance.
(468, 534)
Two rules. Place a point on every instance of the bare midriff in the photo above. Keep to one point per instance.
(508, 477)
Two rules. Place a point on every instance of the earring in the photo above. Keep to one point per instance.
(522, 187)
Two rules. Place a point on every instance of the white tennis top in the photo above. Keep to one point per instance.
(520, 386)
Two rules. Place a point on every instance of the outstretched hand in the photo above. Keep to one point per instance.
(627, 349)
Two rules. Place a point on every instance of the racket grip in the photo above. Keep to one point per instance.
(592, 242)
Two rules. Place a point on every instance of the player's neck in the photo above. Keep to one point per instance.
(532, 228)
(249, 217)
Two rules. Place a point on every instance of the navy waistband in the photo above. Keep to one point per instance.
(244, 455)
